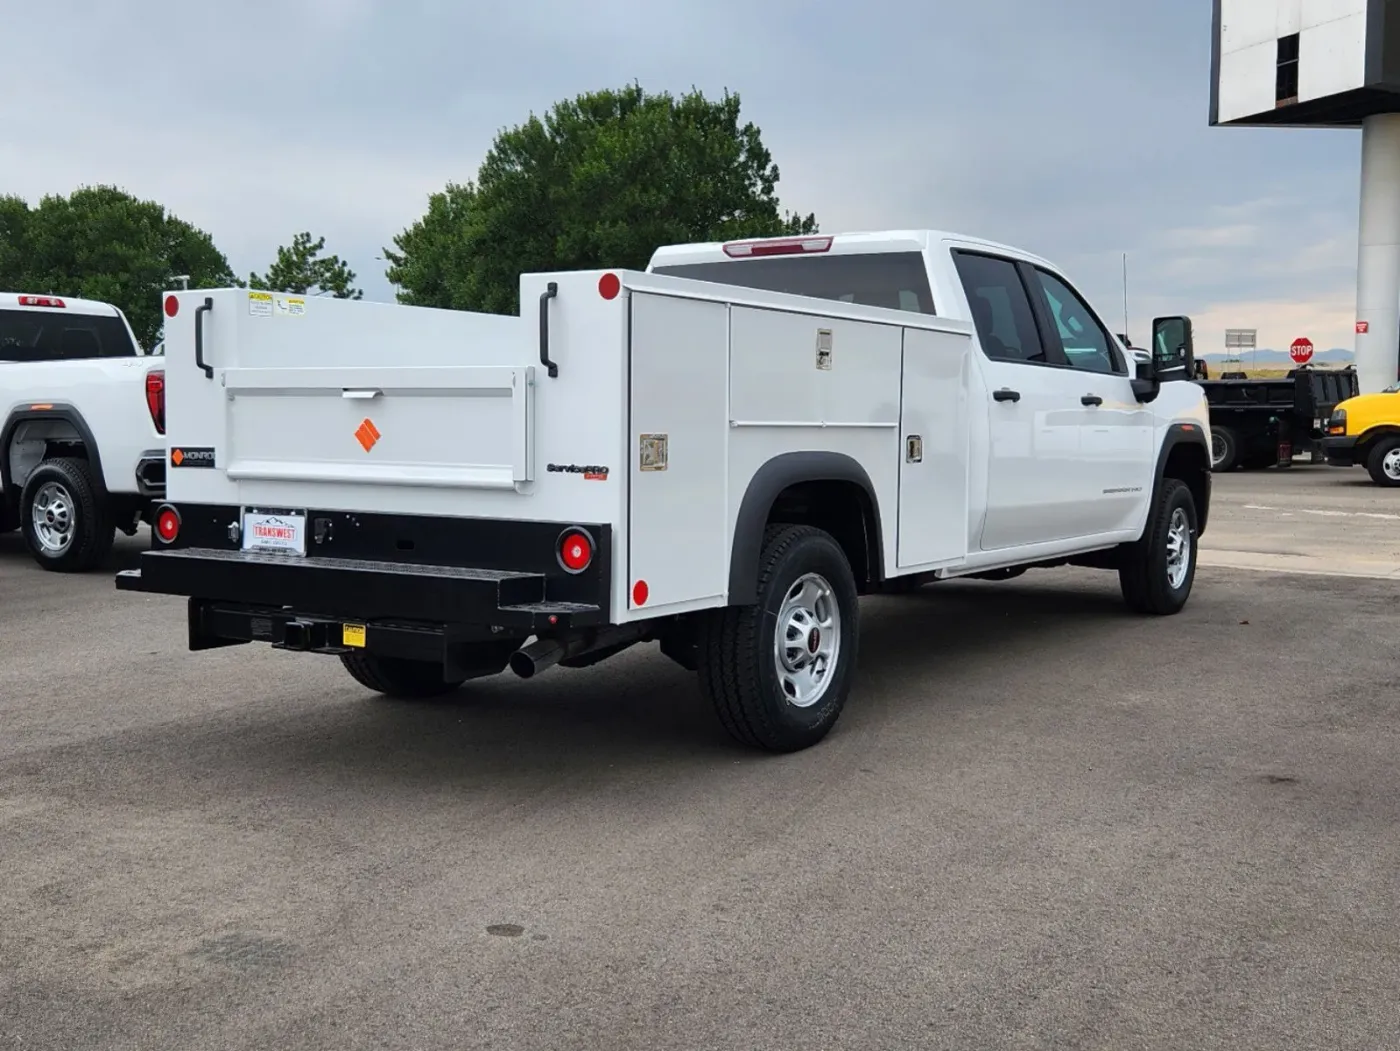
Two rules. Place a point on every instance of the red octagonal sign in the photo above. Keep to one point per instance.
(1301, 351)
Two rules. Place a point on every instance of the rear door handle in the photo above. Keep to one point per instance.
(361, 395)
(1006, 394)
(1091, 399)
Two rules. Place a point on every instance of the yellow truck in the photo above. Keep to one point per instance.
(1365, 432)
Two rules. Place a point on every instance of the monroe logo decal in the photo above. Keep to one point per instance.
(186, 456)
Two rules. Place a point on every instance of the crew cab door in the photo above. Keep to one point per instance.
(1037, 479)
(1115, 429)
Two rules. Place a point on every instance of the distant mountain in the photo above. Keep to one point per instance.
(1277, 359)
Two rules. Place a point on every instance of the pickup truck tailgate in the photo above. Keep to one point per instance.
(447, 426)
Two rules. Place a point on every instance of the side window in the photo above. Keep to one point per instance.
(1001, 310)
(1087, 346)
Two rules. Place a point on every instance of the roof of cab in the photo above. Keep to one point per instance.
(841, 244)
(11, 300)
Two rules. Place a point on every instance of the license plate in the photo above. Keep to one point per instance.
(283, 532)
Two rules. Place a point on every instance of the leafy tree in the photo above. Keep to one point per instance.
(601, 181)
(103, 243)
(299, 268)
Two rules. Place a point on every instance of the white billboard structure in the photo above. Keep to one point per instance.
(1328, 64)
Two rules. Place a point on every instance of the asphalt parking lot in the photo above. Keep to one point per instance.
(1041, 822)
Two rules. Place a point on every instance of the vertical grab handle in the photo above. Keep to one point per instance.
(551, 290)
(199, 313)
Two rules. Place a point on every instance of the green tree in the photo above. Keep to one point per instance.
(300, 268)
(102, 243)
(601, 181)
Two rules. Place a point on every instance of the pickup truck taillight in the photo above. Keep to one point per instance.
(155, 398)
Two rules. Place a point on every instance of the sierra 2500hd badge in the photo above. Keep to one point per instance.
(191, 457)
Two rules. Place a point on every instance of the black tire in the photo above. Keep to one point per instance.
(1384, 450)
(738, 651)
(398, 678)
(91, 532)
(1224, 449)
(1143, 574)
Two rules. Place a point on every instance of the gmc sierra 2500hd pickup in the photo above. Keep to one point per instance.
(81, 410)
(719, 455)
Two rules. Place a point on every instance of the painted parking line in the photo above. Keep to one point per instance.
(1324, 514)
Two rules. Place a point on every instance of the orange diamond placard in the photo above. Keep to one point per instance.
(367, 434)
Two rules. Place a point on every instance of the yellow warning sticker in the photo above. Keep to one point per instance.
(260, 304)
(290, 306)
(353, 635)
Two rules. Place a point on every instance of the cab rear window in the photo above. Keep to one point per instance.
(51, 335)
(895, 280)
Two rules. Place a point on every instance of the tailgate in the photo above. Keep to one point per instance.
(448, 426)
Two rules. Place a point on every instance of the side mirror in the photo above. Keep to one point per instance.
(1173, 350)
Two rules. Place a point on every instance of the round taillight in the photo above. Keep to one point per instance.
(609, 285)
(575, 551)
(168, 524)
(172, 306)
(640, 593)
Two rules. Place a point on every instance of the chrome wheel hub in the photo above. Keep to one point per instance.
(807, 640)
(53, 518)
(1178, 548)
(1391, 464)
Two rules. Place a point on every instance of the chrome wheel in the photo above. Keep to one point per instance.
(1391, 465)
(1178, 548)
(807, 640)
(1218, 449)
(53, 518)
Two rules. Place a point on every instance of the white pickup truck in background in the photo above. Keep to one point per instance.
(82, 452)
(718, 455)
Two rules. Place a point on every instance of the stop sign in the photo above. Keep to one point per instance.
(1301, 351)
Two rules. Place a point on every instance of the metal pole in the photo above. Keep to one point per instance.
(1378, 255)
(1125, 295)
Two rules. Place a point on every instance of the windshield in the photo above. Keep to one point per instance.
(896, 280)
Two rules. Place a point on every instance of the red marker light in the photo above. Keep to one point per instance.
(640, 593)
(576, 551)
(609, 285)
(172, 306)
(168, 524)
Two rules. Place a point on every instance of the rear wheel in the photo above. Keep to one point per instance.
(65, 521)
(1384, 462)
(397, 677)
(1157, 571)
(778, 672)
(1224, 449)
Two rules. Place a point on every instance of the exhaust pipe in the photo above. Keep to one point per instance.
(529, 661)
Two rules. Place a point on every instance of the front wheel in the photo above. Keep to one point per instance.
(778, 672)
(1157, 571)
(1384, 462)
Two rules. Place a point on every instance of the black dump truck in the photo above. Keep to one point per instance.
(1257, 423)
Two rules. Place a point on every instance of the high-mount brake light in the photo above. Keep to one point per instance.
(793, 246)
(42, 301)
(155, 398)
(168, 524)
(575, 550)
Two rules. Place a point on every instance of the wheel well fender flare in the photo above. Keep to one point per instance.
(51, 411)
(767, 484)
(1187, 434)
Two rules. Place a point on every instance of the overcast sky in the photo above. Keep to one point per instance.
(1076, 128)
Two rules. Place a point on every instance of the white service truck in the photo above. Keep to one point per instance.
(719, 455)
(81, 428)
